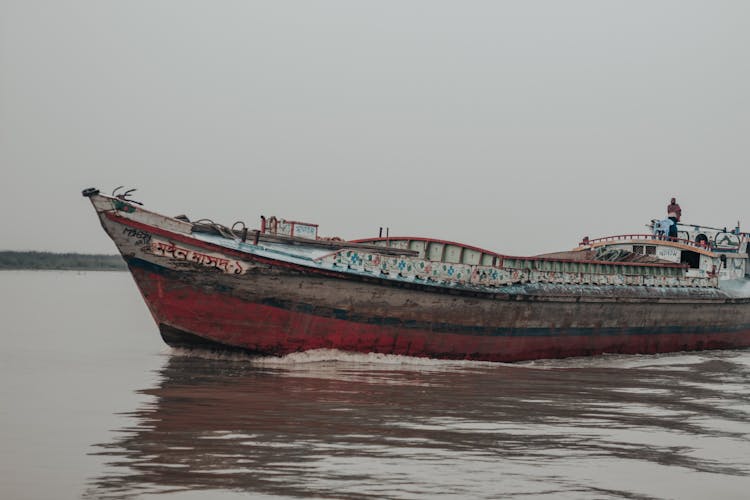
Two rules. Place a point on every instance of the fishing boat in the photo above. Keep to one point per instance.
(282, 288)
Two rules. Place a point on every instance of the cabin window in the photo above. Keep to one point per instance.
(692, 259)
(638, 249)
(650, 249)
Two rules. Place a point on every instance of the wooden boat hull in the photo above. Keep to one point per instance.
(203, 294)
(211, 314)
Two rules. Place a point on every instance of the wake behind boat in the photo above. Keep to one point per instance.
(282, 288)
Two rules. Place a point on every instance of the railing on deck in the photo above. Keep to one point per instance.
(649, 237)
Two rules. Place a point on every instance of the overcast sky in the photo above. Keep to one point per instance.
(519, 126)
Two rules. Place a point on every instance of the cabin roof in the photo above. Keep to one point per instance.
(590, 255)
(645, 239)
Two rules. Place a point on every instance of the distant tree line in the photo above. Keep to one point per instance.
(64, 261)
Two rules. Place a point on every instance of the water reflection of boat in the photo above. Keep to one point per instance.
(227, 425)
(362, 431)
(281, 289)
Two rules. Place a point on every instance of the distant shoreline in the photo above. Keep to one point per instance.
(35, 261)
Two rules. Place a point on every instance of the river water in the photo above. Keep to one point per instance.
(93, 405)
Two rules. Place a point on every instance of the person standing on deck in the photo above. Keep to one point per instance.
(674, 212)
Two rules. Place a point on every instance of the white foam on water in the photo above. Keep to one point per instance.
(332, 356)
(335, 356)
(231, 356)
(667, 360)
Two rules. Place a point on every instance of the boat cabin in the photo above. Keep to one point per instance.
(705, 251)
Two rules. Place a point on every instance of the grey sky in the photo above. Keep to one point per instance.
(516, 126)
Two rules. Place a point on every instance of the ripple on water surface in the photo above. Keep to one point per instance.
(332, 424)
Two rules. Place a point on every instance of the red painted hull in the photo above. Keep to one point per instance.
(186, 315)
